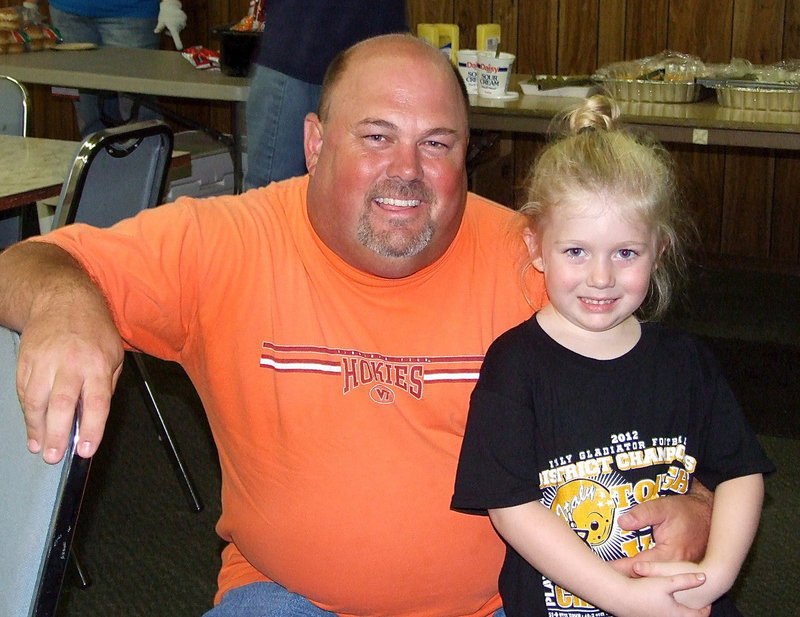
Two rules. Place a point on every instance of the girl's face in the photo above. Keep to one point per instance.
(596, 261)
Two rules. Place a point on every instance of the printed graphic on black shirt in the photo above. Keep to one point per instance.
(591, 489)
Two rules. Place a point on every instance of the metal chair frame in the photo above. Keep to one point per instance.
(14, 96)
(14, 109)
(81, 201)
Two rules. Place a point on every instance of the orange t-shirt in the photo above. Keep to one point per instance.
(337, 399)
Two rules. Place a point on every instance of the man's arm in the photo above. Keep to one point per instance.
(680, 523)
(70, 350)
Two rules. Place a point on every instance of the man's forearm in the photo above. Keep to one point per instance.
(37, 278)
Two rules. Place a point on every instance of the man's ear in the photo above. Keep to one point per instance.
(534, 250)
(312, 140)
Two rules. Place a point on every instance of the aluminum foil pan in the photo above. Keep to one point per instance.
(759, 98)
(646, 91)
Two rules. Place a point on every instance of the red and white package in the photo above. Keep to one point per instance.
(201, 57)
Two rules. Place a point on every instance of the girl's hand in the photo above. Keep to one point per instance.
(657, 596)
(694, 597)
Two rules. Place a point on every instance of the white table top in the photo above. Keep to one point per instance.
(32, 168)
(125, 69)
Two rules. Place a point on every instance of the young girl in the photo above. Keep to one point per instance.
(587, 409)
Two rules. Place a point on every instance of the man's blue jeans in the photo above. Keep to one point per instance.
(276, 108)
(271, 600)
(114, 32)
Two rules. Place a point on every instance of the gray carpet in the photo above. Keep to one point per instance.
(149, 555)
(769, 581)
(146, 552)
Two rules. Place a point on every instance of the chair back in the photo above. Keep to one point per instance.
(14, 103)
(39, 505)
(116, 173)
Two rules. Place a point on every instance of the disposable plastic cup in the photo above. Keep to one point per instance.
(468, 68)
(493, 73)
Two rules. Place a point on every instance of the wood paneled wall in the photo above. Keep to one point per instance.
(745, 199)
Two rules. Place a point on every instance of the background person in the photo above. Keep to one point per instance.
(333, 326)
(115, 23)
(583, 411)
(288, 70)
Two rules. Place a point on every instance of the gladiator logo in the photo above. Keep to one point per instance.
(384, 376)
(588, 508)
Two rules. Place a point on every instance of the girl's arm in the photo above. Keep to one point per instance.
(550, 546)
(734, 522)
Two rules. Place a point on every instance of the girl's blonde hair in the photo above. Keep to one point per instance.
(598, 156)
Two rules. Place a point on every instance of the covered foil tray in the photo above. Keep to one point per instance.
(764, 99)
(646, 91)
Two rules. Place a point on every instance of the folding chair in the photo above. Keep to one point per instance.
(116, 173)
(39, 507)
(14, 104)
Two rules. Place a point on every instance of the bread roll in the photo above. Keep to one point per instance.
(10, 19)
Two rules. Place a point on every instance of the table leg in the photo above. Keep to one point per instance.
(29, 221)
(233, 142)
(238, 126)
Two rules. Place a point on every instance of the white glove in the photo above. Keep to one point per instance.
(171, 17)
(31, 14)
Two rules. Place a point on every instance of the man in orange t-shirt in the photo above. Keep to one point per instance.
(333, 325)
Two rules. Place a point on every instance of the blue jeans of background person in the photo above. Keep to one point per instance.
(271, 600)
(114, 32)
(276, 108)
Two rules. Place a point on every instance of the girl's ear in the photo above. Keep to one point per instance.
(534, 249)
(661, 249)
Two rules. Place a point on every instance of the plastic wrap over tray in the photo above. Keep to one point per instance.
(667, 77)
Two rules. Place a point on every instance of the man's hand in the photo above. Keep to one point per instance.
(680, 528)
(70, 351)
(58, 372)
